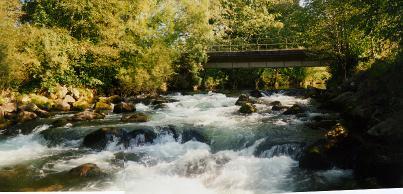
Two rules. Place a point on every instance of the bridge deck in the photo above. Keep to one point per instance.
(263, 58)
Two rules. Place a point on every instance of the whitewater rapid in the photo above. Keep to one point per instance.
(228, 164)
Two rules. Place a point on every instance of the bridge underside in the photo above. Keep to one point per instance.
(264, 59)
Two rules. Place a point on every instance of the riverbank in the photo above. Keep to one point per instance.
(369, 141)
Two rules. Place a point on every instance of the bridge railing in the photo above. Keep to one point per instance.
(236, 47)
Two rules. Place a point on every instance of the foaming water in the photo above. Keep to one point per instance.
(181, 168)
(225, 163)
(23, 148)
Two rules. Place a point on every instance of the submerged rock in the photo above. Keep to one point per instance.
(269, 148)
(60, 122)
(255, 93)
(124, 107)
(247, 108)
(135, 117)
(192, 134)
(169, 130)
(87, 115)
(141, 136)
(277, 106)
(100, 138)
(86, 170)
(295, 109)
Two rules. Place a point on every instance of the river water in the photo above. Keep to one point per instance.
(244, 154)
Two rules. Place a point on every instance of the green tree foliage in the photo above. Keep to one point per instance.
(355, 33)
(134, 46)
(115, 46)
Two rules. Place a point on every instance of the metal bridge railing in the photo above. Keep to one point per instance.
(236, 47)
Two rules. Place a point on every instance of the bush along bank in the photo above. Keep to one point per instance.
(369, 140)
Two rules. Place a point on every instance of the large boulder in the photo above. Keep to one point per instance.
(87, 116)
(75, 93)
(135, 117)
(373, 162)
(41, 101)
(277, 106)
(195, 135)
(242, 99)
(115, 99)
(8, 108)
(100, 138)
(61, 91)
(103, 107)
(390, 129)
(43, 113)
(25, 116)
(255, 93)
(294, 109)
(81, 105)
(124, 107)
(142, 136)
(247, 108)
(276, 147)
(315, 158)
(86, 170)
(338, 149)
(60, 122)
(31, 107)
(69, 99)
(60, 105)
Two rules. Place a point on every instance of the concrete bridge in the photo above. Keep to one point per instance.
(261, 56)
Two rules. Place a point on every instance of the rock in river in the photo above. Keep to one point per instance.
(124, 107)
(60, 105)
(87, 115)
(193, 134)
(100, 138)
(243, 98)
(295, 109)
(86, 170)
(247, 108)
(24, 116)
(141, 136)
(135, 117)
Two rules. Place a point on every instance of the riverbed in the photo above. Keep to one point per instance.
(256, 153)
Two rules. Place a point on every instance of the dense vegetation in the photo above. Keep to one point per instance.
(125, 46)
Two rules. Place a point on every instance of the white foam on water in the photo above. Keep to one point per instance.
(101, 159)
(22, 148)
(285, 100)
(191, 167)
(205, 110)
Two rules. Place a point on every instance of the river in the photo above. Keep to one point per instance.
(244, 154)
